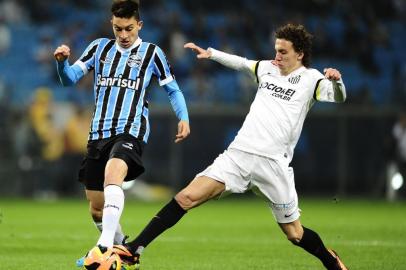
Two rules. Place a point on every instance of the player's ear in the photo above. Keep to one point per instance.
(140, 24)
(300, 56)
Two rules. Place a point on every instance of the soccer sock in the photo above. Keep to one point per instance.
(312, 243)
(118, 236)
(168, 216)
(113, 207)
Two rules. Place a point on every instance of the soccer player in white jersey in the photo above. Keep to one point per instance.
(259, 156)
(122, 68)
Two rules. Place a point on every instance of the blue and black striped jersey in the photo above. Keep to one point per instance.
(121, 78)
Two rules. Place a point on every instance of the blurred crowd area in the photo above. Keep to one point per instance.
(43, 125)
(363, 39)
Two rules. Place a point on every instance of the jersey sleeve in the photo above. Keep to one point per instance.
(177, 100)
(234, 61)
(326, 90)
(162, 68)
(87, 60)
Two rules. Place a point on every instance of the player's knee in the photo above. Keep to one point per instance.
(293, 231)
(294, 237)
(186, 200)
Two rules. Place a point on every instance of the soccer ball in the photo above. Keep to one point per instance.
(96, 259)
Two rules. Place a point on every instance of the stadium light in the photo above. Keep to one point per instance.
(397, 181)
(394, 182)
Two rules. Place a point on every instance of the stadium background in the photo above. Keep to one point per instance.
(344, 149)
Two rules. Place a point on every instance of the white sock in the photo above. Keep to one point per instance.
(118, 236)
(113, 207)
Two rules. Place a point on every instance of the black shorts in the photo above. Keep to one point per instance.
(122, 146)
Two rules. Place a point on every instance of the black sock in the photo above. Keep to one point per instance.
(169, 215)
(312, 243)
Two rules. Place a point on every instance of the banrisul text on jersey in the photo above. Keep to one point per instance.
(118, 82)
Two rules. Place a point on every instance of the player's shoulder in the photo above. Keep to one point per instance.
(101, 41)
(152, 45)
(312, 73)
(266, 66)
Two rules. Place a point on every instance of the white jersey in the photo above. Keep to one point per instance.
(275, 120)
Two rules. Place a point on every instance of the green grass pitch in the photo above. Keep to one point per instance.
(230, 234)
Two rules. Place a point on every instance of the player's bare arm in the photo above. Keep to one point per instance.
(201, 53)
(183, 131)
(62, 53)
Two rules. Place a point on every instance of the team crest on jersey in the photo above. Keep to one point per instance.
(294, 80)
(134, 60)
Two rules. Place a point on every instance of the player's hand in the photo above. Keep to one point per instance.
(332, 74)
(62, 53)
(201, 53)
(183, 131)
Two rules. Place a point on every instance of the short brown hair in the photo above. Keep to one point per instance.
(300, 38)
(126, 9)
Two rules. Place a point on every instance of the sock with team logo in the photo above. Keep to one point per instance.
(312, 243)
(113, 207)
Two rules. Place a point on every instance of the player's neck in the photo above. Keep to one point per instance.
(135, 44)
(292, 69)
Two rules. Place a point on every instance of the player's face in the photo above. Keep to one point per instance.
(287, 59)
(126, 30)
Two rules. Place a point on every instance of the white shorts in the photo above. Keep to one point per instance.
(241, 171)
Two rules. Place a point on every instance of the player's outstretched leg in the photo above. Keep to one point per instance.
(168, 216)
(200, 190)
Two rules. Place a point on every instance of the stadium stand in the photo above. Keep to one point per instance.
(365, 46)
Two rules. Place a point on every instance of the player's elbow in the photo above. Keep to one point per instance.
(343, 98)
(340, 96)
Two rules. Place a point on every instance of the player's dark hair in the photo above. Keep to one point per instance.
(300, 38)
(126, 9)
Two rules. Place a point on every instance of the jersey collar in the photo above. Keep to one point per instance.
(296, 71)
(122, 50)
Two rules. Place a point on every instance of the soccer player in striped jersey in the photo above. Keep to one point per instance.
(123, 68)
(260, 155)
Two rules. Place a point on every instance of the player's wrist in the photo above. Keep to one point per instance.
(210, 52)
(186, 120)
